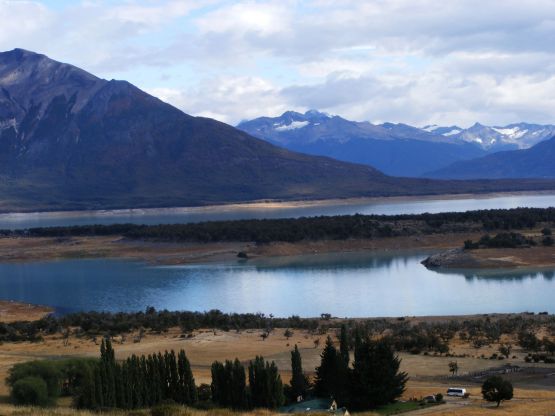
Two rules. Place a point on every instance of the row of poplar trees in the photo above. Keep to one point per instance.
(371, 380)
(136, 382)
(229, 385)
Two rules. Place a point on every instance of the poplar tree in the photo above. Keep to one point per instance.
(265, 384)
(187, 387)
(299, 382)
(344, 344)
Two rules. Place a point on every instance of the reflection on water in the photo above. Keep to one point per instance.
(349, 284)
(503, 274)
(185, 215)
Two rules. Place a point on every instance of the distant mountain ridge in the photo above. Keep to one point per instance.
(395, 149)
(535, 162)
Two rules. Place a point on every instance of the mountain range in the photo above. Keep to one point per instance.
(395, 149)
(535, 162)
(70, 140)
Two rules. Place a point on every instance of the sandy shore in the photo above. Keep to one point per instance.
(493, 258)
(269, 205)
(21, 249)
(15, 311)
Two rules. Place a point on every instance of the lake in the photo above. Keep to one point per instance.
(184, 215)
(352, 284)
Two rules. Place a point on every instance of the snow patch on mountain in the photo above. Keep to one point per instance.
(513, 133)
(294, 125)
(451, 132)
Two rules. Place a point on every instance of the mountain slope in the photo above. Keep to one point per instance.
(395, 149)
(536, 162)
(69, 140)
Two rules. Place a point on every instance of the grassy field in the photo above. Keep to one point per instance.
(429, 374)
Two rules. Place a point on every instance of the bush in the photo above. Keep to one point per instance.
(439, 397)
(30, 391)
(47, 371)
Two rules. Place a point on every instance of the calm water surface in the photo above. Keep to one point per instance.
(353, 285)
(184, 215)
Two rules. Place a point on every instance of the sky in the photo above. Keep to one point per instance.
(446, 62)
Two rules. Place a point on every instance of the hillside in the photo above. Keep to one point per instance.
(536, 162)
(70, 140)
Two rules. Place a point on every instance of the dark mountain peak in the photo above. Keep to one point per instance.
(36, 80)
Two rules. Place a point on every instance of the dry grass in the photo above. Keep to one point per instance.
(15, 311)
(205, 346)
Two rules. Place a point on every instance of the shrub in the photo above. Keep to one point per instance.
(45, 370)
(30, 391)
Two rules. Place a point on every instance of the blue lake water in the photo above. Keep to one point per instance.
(185, 215)
(353, 285)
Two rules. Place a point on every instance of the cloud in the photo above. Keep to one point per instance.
(427, 61)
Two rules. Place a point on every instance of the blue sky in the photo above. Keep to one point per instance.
(412, 61)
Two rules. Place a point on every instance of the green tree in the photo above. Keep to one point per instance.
(265, 384)
(505, 349)
(187, 387)
(453, 367)
(299, 382)
(344, 344)
(332, 374)
(30, 390)
(495, 389)
(376, 379)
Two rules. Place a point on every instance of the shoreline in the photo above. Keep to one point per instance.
(25, 249)
(12, 311)
(268, 205)
(32, 249)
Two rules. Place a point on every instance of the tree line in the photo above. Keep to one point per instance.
(310, 228)
(402, 334)
(371, 380)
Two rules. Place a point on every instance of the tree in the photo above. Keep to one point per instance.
(344, 344)
(505, 349)
(187, 389)
(265, 384)
(495, 389)
(288, 333)
(453, 367)
(375, 379)
(299, 382)
(332, 374)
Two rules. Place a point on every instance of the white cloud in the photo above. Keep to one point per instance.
(420, 62)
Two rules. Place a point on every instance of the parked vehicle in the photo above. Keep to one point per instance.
(456, 391)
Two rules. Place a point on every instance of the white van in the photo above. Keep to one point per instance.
(456, 391)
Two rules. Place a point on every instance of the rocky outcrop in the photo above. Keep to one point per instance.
(454, 259)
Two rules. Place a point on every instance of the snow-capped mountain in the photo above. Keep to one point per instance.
(396, 149)
(496, 138)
